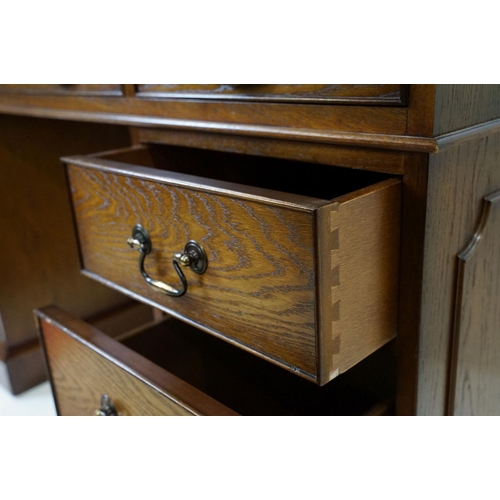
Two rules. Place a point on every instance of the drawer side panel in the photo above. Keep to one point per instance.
(359, 275)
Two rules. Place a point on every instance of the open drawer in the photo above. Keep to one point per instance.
(295, 263)
(171, 368)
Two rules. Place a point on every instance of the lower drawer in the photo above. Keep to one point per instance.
(172, 368)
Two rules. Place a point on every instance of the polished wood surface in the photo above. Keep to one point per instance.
(411, 287)
(259, 256)
(64, 89)
(462, 106)
(171, 368)
(305, 93)
(39, 258)
(379, 160)
(259, 289)
(369, 126)
(475, 355)
(358, 274)
(459, 179)
(443, 145)
(84, 364)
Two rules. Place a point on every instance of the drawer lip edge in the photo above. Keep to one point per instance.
(57, 317)
(197, 183)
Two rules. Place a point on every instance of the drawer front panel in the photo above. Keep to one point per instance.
(306, 277)
(259, 288)
(84, 89)
(85, 364)
(297, 93)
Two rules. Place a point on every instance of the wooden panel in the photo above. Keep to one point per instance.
(475, 364)
(459, 178)
(259, 291)
(414, 210)
(358, 251)
(259, 287)
(121, 319)
(285, 121)
(64, 89)
(379, 160)
(421, 107)
(460, 106)
(39, 262)
(85, 364)
(306, 93)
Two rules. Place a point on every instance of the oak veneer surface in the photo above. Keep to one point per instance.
(460, 106)
(171, 368)
(475, 367)
(252, 260)
(260, 287)
(331, 93)
(459, 179)
(225, 117)
(84, 364)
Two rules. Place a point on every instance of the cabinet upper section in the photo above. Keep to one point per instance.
(273, 117)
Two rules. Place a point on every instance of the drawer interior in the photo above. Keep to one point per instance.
(306, 179)
(252, 386)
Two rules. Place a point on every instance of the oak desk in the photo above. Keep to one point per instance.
(441, 144)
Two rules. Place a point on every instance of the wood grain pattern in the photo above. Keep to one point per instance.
(467, 134)
(259, 289)
(238, 117)
(258, 255)
(305, 93)
(461, 106)
(358, 275)
(459, 178)
(198, 371)
(85, 364)
(475, 355)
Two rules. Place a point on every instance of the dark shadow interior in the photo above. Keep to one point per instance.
(306, 179)
(253, 386)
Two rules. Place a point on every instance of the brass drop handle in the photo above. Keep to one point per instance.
(107, 408)
(193, 256)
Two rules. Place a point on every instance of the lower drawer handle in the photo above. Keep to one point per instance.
(193, 256)
(107, 408)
